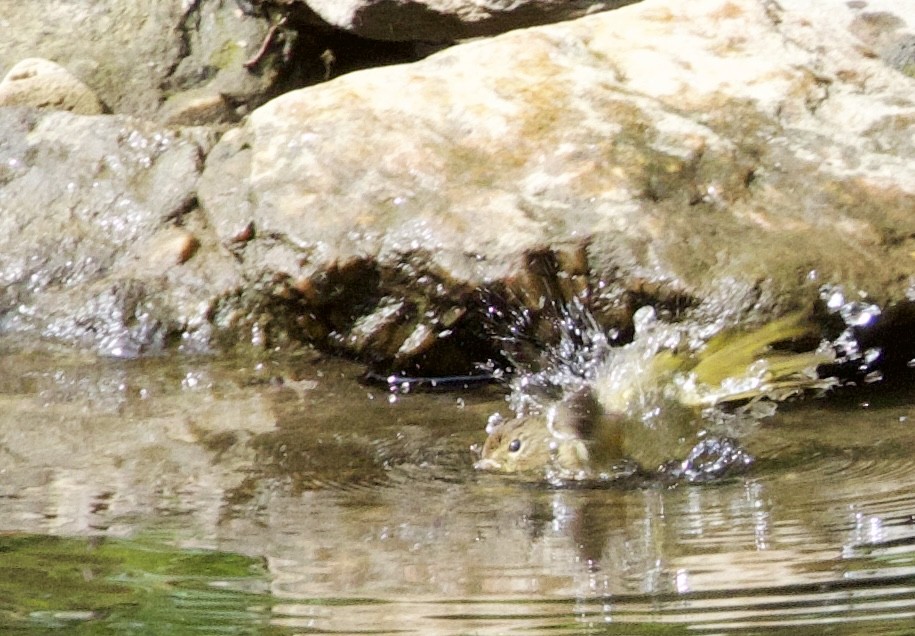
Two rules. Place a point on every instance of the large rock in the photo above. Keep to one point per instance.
(448, 20)
(731, 156)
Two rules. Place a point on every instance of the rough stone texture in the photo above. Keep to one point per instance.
(728, 154)
(889, 35)
(725, 157)
(43, 84)
(447, 20)
(89, 250)
(135, 55)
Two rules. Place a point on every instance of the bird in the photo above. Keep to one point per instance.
(643, 401)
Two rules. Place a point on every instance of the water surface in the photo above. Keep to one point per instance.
(279, 495)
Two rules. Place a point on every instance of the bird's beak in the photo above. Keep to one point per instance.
(487, 464)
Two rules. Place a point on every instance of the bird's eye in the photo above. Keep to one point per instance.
(514, 446)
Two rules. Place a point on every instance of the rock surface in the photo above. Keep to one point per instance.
(729, 158)
(43, 84)
(727, 155)
(90, 250)
(135, 56)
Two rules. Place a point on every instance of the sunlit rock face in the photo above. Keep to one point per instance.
(730, 155)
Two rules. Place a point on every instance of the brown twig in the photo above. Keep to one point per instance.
(265, 45)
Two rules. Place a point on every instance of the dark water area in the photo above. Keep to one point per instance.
(280, 495)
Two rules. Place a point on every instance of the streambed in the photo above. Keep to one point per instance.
(278, 494)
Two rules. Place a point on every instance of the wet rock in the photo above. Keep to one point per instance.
(727, 157)
(43, 84)
(98, 230)
(135, 57)
(447, 20)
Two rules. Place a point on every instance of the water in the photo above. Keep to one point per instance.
(278, 495)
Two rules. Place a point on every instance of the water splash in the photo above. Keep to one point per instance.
(857, 315)
(711, 459)
(661, 364)
(650, 398)
(573, 359)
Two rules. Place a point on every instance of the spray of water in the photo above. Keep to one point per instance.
(665, 372)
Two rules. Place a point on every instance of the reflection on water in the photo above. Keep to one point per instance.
(367, 515)
(98, 585)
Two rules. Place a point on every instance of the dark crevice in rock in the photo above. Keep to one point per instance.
(184, 30)
(313, 51)
(322, 54)
(182, 209)
(412, 320)
(889, 339)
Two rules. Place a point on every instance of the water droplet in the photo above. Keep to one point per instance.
(643, 318)
(859, 314)
(493, 422)
(835, 300)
